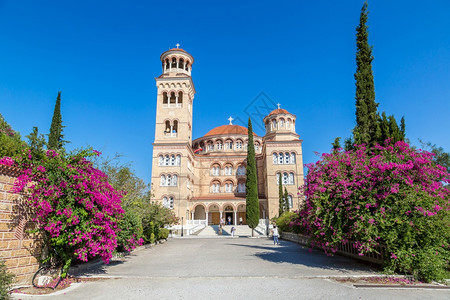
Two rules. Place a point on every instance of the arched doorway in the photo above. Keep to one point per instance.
(229, 216)
(199, 213)
(214, 214)
(242, 220)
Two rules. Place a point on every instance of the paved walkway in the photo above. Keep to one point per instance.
(226, 268)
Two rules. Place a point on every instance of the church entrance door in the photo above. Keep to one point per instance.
(229, 216)
(215, 218)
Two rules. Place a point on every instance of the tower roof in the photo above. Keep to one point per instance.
(228, 129)
(279, 111)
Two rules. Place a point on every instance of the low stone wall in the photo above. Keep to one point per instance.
(343, 249)
(17, 249)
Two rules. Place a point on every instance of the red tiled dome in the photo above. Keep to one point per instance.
(279, 111)
(228, 129)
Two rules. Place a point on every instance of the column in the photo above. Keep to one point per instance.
(207, 218)
(192, 216)
(171, 130)
(235, 218)
(176, 100)
(220, 215)
(178, 64)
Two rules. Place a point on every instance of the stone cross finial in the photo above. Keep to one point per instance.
(178, 45)
(278, 105)
(231, 120)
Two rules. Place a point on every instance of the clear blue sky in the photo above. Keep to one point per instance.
(104, 55)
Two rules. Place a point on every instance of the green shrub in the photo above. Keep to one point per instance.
(163, 233)
(285, 221)
(131, 232)
(149, 235)
(6, 280)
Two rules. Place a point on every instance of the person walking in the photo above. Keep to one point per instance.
(275, 235)
(232, 231)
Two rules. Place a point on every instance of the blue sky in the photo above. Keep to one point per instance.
(104, 55)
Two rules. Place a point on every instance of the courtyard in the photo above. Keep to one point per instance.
(231, 268)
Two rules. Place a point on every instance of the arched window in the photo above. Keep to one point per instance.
(161, 160)
(256, 147)
(168, 202)
(167, 64)
(175, 126)
(165, 98)
(174, 63)
(215, 170)
(292, 158)
(229, 187)
(216, 187)
(288, 123)
(172, 160)
(181, 64)
(281, 123)
(280, 158)
(167, 129)
(275, 158)
(172, 98)
(174, 180)
(241, 170)
(166, 160)
(169, 180)
(228, 170)
(291, 178)
(285, 178)
(180, 97)
(241, 187)
(274, 124)
(163, 180)
(178, 160)
(238, 145)
(187, 66)
(229, 144)
(219, 145)
(286, 158)
(210, 146)
(291, 203)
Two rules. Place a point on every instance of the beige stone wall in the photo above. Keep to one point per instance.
(18, 249)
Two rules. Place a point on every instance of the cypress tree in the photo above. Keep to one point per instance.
(402, 128)
(336, 144)
(251, 183)
(55, 137)
(286, 200)
(280, 196)
(394, 130)
(365, 131)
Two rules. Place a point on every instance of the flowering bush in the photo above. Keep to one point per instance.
(75, 207)
(390, 195)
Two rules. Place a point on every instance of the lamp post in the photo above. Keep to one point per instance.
(181, 226)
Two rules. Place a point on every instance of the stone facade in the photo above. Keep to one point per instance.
(204, 179)
(17, 249)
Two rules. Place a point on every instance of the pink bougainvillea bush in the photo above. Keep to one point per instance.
(391, 195)
(75, 207)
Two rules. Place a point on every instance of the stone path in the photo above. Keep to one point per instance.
(226, 268)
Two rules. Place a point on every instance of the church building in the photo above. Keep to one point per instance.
(204, 179)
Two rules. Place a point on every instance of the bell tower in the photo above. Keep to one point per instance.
(175, 97)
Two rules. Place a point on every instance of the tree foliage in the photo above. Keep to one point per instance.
(251, 183)
(441, 157)
(11, 144)
(280, 196)
(56, 137)
(286, 200)
(366, 107)
(6, 280)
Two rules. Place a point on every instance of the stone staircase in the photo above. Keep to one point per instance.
(212, 230)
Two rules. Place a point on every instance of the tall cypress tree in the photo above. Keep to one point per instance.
(286, 200)
(251, 183)
(366, 108)
(280, 196)
(55, 137)
(336, 144)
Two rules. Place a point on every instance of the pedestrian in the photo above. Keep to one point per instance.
(240, 220)
(275, 235)
(229, 220)
(232, 231)
(220, 229)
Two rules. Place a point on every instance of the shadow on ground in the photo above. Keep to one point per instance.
(292, 253)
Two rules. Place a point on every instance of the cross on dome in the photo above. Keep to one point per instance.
(178, 45)
(278, 104)
(231, 120)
